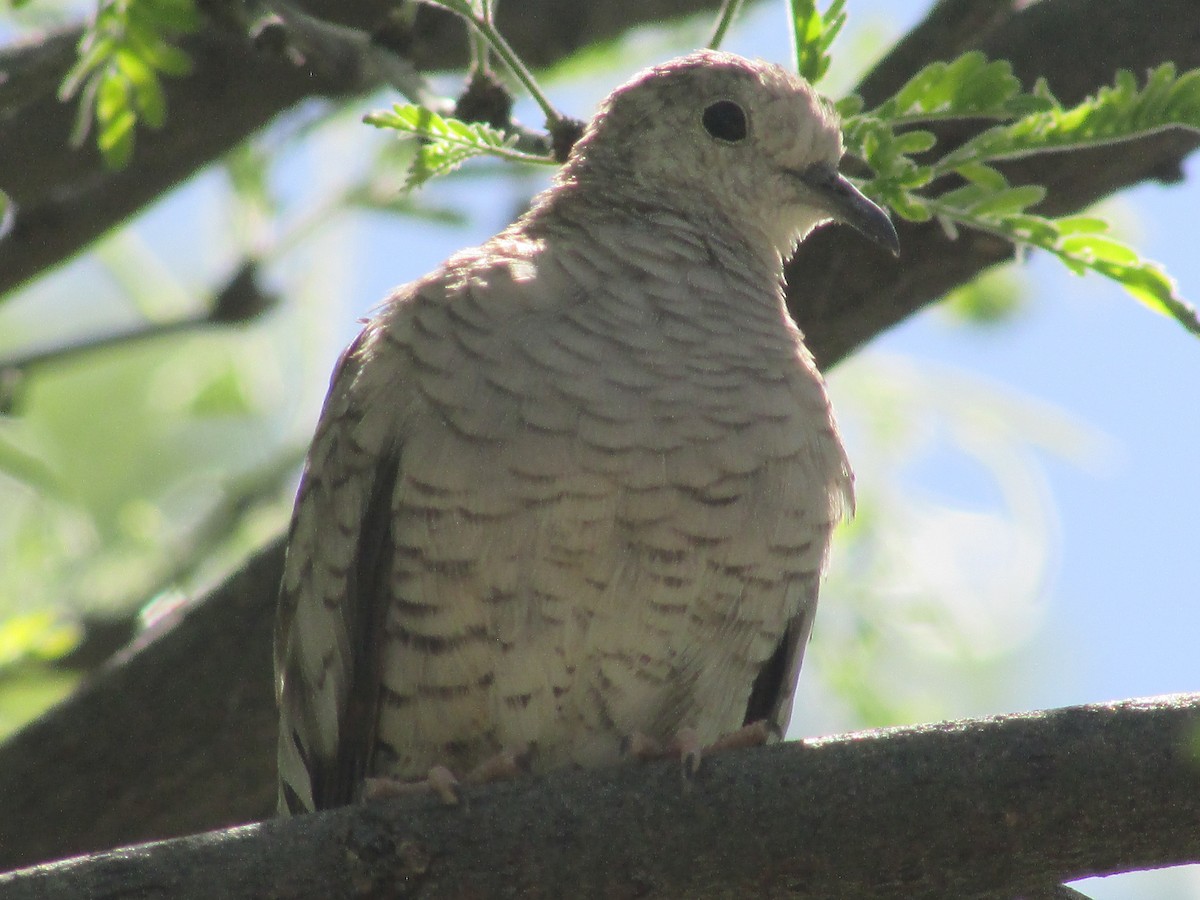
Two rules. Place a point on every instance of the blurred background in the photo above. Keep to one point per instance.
(1027, 452)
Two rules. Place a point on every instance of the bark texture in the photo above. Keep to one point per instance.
(990, 808)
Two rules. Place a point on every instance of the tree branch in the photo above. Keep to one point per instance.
(175, 735)
(179, 736)
(65, 197)
(994, 807)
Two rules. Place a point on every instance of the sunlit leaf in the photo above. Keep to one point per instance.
(813, 33)
(1116, 113)
(122, 54)
(36, 635)
(447, 143)
(968, 87)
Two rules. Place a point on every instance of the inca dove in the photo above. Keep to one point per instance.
(578, 483)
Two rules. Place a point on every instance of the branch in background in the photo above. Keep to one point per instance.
(339, 52)
(976, 808)
(65, 198)
(241, 300)
(174, 737)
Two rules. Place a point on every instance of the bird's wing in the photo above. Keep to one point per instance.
(326, 663)
(775, 686)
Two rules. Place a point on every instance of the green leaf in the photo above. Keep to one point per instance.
(248, 168)
(1097, 247)
(164, 57)
(1034, 122)
(1077, 241)
(987, 203)
(437, 158)
(1116, 113)
(813, 33)
(1081, 224)
(148, 97)
(970, 86)
(984, 176)
(222, 395)
(116, 76)
(27, 467)
(116, 139)
(850, 105)
(1146, 282)
(910, 142)
(40, 635)
(909, 206)
(448, 142)
(165, 16)
(93, 52)
(992, 298)
(112, 99)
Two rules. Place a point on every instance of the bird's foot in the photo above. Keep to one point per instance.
(508, 763)
(754, 734)
(440, 781)
(687, 748)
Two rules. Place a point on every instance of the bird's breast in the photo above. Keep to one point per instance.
(605, 518)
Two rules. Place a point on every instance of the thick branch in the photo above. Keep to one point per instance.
(985, 808)
(181, 736)
(176, 735)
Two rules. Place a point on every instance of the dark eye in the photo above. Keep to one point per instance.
(725, 121)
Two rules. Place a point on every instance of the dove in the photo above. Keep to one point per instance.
(577, 485)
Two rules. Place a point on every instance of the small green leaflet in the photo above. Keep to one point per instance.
(447, 143)
(813, 33)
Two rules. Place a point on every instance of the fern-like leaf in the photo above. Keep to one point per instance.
(447, 142)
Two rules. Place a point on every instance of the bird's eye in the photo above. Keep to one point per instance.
(725, 120)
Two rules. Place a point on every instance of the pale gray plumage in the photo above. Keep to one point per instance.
(579, 482)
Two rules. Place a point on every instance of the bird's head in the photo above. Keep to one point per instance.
(748, 138)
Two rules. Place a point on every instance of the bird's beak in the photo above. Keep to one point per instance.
(848, 205)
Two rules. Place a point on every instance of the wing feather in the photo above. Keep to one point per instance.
(327, 650)
(775, 686)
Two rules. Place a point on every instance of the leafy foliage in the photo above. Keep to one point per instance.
(1114, 114)
(122, 56)
(963, 187)
(813, 34)
(446, 143)
(968, 87)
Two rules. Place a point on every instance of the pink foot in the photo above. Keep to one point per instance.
(687, 748)
(507, 763)
(440, 781)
